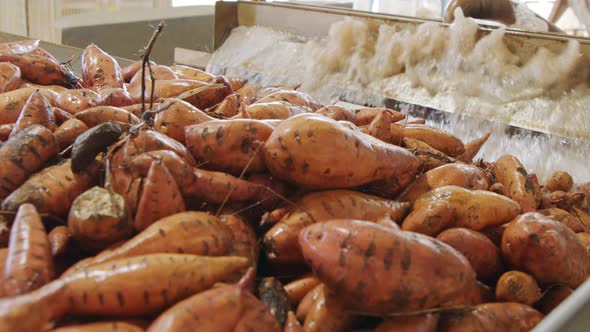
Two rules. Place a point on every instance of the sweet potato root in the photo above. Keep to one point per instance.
(100, 70)
(519, 287)
(492, 317)
(365, 116)
(527, 240)
(230, 146)
(560, 180)
(570, 220)
(12, 103)
(281, 240)
(41, 69)
(453, 206)
(307, 301)
(175, 118)
(130, 70)
(509, 172)
(117, 97)
(29, 263)
(98, 218)
(481, 253)
(374, 269)
(158, 71)
(186, 72)
(297, 151)
(24, 154)
(585, 239)
(472, 149)
(5, 131)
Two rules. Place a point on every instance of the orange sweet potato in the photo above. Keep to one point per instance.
(36, 110)
(436, 138)
(519, 186)
(100, 70)
(293, 97)
(67, 133)
(527, 240)
(97, 115)
(41, 69)
(585, 239)
(516, 286)
(186, 72)
(327, 314)
(481, 253)
(337, 113)
(5, 131)
(365, 116)
(297, 151)
(113, 326)
(272, 110)
(281, 240)
(569, 219)
(298, 288)
(453, 206)
(560, 180)
(75, 101)
(59, 238)
(377, 270)
(229, 107)
(231, 146)
(130, 70)
(159, 73)
(492, 317)
(165, 89)
(292, 324)
(12, 103)
(9, 77)
(472, 148)
(422, 323)
(173, 120)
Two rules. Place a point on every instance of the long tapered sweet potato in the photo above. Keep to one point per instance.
(245, 242)
(165, 89)
(272, 110)
(492, 317)
(75, 101)
(36, 110)
(422, 323)
(297, 151)
(67, 133)
(472, 148)
(281, 240)
(9, 77)
(480, 251)
(24, 154)
(12, 102)
(225, 308)
(293, 97)
(453, 206)
(570, 220)
(298, 288)
(159, 73)
(41, 69)
(160, 197)
(516, 286)
(98, 218)
(131, 69)
(374, 269)
(436, 138)
(29, 263)
(337, 113)
(327, 314)
(53, 189)
(511, 174)
(190, 232)
(191, 73)
(113, 326)
(229, 145)
(59, 238)
(307, 301)
(100, 70)
(527, 241)
(175, 118)
(97, 115)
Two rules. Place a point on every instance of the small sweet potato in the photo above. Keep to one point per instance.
(453, 206)
(585, 239)
(511, 174)
(559, 180)
(472, 149)
(492, 317)
(527, 241)
(95, 116)
(481, 253)
(307, 301)
(516, 286)
(36, 110)
(365, 116)
(568, 219)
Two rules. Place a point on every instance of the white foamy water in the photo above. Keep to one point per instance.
(449, 69)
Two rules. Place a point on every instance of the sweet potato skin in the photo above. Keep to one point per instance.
(374, 269)
(527, 240)
(492, 317)
(519, 186)
(100, 70)
(297, 151)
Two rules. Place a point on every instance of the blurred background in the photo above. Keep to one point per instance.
(190, 22)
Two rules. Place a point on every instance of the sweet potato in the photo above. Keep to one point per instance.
(180, 170)
(292, 324)
(190, 232)
(561, 199)
(52, 190)
(273, 295)
(472, 148)
(481, 253)
(113, 326)
(185, 72)
(365, 116)
(585, 239)
(98, 218)
(509, 172)
(281, 240)
(297, 151)
(67, 133)
(12, 103)
(29, 263)
(229, 107)
(36, 110)
(165, 89)
(130, 70)
(61, 116)
(552, 297)
(422, 323)
(24, 46)
(430, 157)
(223, 308)
(9, 77)
(327, 314)
(117, 97)
(4, 231)
(436, 138)
(527, 240)
(298, 288)
(41, 69)
(272, 110)
(307, 301)
(492, 317)
(559, 180)
(453, 206)
(173, 120)
(59, 238)
(97, 115)
(159, 73)
(54, 88)
(245, 242)
(519, 287)
(100, 70)
(231, 146)
(293, 97)
(337, 113)
(135, 109)
(24, 154)
(5, 131)
(456, 174)
(377, 270)
(160, 197)
(208, 95)
(75, 101)
(564, 217)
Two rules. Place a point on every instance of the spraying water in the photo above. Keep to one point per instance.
(450, 69)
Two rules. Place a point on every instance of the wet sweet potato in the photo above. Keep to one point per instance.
(585, 239)
(481, 253)
(273, 295)
(114, 326)
(281, 240)
(297, 151)
(492, 317)
(117, 97)
(292, 324)
(130, 70)
(337, 113)
(299, 288)
(570, 220)
(12, 102)
(527, 241)
(41, 69)
(365, 116)
(307, 301)
(327, 314)
(36, 110)
(159, 73)
(100, 70)
(519, 287)
(293, 97)
(173, 120)
(272, 110)
(95, 116)
(436, 138)
(559, 180)
(377, 270)
(453, 206)
(75, 101)
(9, 77)
(511, 174)
(472, 149)
(67, 133)
(186, 72)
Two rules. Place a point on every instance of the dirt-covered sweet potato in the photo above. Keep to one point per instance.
(492, 317)
(517, 286)
(436, 138)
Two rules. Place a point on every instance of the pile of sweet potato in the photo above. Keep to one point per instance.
(218, 205)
